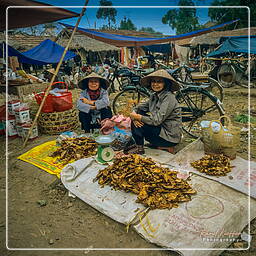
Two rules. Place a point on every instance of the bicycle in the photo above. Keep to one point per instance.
(196, 104)
(233, 72)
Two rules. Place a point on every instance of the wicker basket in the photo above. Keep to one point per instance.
(58, 122)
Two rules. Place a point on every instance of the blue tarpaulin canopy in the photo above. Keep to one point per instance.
(236, 44)
(125, 41)
(45, 53)
(162, 48)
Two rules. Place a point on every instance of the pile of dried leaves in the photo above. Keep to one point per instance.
(215, 164)
(156, 187)
(75, 149)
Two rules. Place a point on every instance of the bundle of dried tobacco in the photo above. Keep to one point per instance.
(75, 149)
(214, 164)
(156, 187)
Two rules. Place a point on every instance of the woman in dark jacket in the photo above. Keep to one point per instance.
(93, 104)
(158, 120)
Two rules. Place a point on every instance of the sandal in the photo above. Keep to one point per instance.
(137, 149)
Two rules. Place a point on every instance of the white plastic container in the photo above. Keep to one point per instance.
(10, 126)
(26, 127)
(22, 115)
(12, 105)
(19, 129)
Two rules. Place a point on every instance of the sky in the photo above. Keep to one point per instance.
(141, 17)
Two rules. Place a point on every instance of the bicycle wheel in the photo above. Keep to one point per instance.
(216, 89)
(226, 75)
(197, 105)
(127, 99)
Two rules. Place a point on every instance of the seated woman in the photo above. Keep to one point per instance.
(158, 120)
(93, 104)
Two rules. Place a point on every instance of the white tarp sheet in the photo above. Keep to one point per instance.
(238, 178)
(78, 179)
(213, 219)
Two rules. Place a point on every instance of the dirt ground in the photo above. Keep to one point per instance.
(65, 222)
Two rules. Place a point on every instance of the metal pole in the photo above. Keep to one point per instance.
(56, 72)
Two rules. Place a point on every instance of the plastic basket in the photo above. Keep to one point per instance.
(53, 103)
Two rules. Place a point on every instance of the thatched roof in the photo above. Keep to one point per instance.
(23, 42)
(213, 37)
(89, 44)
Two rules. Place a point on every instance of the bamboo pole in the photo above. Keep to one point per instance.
(55, 73)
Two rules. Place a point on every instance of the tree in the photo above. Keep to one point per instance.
(127, 24)
(184, 19)
(221, 15)
(107, 13)
(151, 31)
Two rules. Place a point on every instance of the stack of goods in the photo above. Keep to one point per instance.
(9, 123)
(215, 165)
(23, 122)
(74, 149)
(156, 187)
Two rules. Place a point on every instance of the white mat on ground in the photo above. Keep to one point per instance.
(213, 219)
(78, 178)
(238, 178)
(215, 216)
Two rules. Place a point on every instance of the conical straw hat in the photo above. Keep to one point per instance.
(146, 81)
(83, 83)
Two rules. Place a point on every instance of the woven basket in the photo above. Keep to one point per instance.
(58, 122)
(224, 141)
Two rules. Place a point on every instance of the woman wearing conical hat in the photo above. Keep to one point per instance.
(93, 104)
(158, 120)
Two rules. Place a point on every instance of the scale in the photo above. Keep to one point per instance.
(105, 153)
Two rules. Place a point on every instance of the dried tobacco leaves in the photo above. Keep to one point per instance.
(215, 165)
(156, 187)
(75, 149)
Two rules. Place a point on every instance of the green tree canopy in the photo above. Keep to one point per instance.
(108, 13)
(127, 24)
(221, 15)
(184, 19)
(151, 31)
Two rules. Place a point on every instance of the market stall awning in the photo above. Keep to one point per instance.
(45, 53)
(160, 48)
(124, 41)
(29, 13)
(237, 44)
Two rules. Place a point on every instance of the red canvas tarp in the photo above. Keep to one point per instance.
(25, 16)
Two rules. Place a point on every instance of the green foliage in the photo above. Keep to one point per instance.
(107, 13)
(184, 19)
(221, 15)
(242, 118)
(127, 24)
(151, 31)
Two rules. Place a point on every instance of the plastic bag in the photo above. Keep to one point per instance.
(62, 102)
(121, 137)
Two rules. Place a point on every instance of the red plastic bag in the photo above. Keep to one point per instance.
(47, 107)
(49, 104)
(63, 102)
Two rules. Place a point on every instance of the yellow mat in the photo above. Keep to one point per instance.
(39, 156)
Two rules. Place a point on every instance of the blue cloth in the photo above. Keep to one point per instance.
(120, 40)
(237, 44)
(44, 53)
